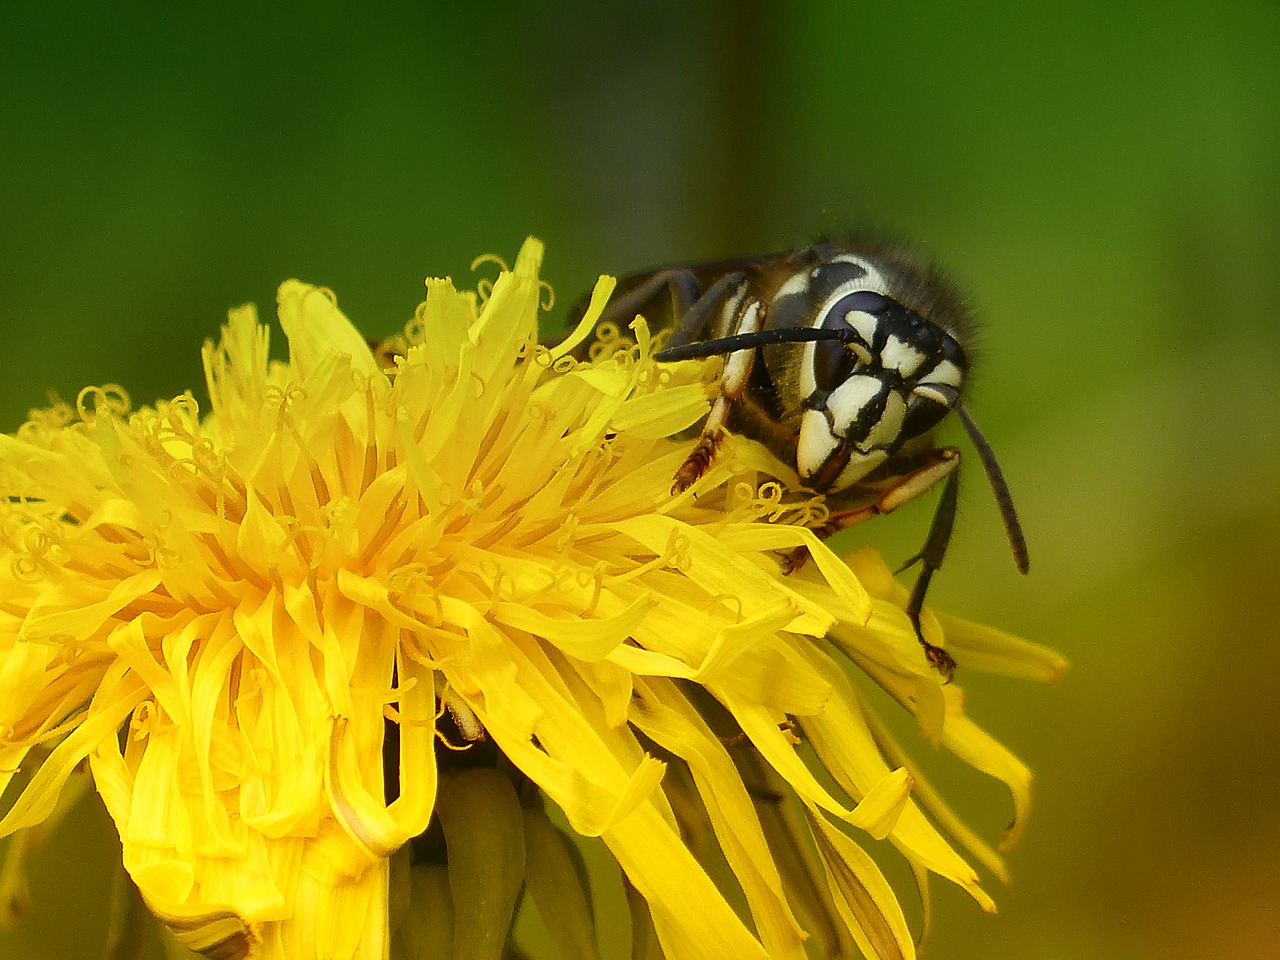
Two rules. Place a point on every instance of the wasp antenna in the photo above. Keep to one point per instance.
(749, 341)
(1004, 499)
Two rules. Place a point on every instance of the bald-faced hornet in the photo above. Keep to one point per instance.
(842, 359)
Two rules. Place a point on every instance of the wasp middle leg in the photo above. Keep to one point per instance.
(938, 465)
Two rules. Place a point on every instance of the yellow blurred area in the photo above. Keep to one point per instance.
(1104, 178)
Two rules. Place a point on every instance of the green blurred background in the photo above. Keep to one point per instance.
(1104, 177)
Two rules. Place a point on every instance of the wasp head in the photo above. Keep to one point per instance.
(882, 376)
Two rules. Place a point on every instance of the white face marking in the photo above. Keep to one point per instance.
(889, 427)
(849, 399)
(946, 372)
(901, 356)
(864, 323)
(938, 393)
(941, 384)
(818, 442)
(815, 443)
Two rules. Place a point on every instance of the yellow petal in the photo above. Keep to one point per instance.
(979, 647)
(667, 717)
(317, 329)
(862, 895)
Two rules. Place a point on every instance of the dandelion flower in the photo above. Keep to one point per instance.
(351, 605)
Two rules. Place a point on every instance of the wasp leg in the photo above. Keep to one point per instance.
(695, 314)
(904, 488)
(939, 464)
(691, 306)
(682, 285)
(704, 451)
(733, 381)
(930, 558)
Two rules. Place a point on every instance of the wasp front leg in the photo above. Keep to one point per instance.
(681, 285)
(733, 382)
(930, 559)
(690, 306)
(939, 465)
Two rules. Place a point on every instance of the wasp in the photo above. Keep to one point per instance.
(843, 359)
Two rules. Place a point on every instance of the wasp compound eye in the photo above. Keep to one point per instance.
(853, 316)
(833, 364)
